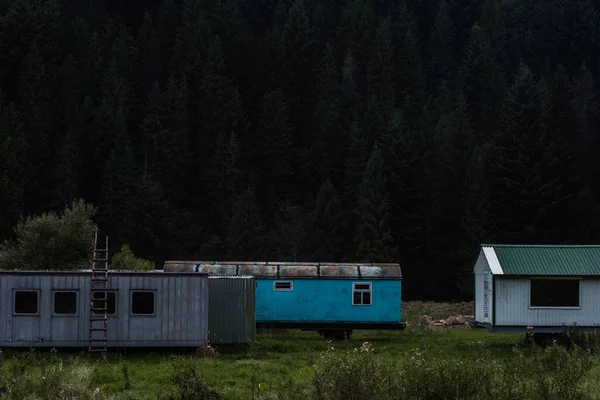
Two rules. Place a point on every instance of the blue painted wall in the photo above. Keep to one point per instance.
(327, 300)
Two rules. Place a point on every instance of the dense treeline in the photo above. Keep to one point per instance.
(355, 130)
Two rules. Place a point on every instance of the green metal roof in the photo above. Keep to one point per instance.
(544, 259)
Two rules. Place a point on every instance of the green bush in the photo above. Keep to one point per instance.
(125, 260)
(355, 374)
(52, 241)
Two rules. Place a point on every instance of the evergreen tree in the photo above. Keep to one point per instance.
(245, 231)
(272, 156)
(328, 231)
(374, 239)
(527, 177)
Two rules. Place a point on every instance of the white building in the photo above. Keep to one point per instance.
(535, 288)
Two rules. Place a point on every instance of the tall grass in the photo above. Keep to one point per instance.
(315, 370)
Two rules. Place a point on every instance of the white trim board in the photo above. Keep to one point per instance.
(492, 259)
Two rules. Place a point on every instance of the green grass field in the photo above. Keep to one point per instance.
(418, 363)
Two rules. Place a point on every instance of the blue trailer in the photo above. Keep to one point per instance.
(331, 298)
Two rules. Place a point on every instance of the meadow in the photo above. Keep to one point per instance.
(417, 363)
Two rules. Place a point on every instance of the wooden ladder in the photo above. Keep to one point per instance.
(98, 287)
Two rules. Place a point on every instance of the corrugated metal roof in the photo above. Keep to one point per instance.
(547, 259)
(298, 270)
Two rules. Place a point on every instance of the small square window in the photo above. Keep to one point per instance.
(361, 294)
(142, 303)
(65, 302)
(283, 286)
(26, 302)
(111, 302)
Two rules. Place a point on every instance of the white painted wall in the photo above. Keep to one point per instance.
(512, 305)
(482, 270)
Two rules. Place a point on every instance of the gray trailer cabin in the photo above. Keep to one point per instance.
(231, 309)
(145, 309)
(539, 289)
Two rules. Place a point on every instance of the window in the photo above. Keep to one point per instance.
(361, 294)
(26, 302)
(281, 286)
(65, 302)
(142, 303)
(111, 302)
(554, 293)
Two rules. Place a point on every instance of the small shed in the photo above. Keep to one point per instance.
(145, 309)
(316, 296)
(231, 305)
(537, 288)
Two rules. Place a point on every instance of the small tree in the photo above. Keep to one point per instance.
(125, 260)
(52, 241)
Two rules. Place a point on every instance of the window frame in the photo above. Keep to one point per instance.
(54, 292)
(132, 292)
(560, 278)
(14, 311)
(115, 291)
(355, 290)
(276, 289)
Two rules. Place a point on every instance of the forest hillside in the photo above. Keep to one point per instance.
(312, 130)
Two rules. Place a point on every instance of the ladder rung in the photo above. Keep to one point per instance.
(97, 329)
(99, 279)
(99, 309)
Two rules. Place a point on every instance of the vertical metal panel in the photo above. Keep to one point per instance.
(231, 317)
(180, 319)
(512, 307)
(481, 268)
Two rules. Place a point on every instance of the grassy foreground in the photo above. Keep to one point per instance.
(418, 363)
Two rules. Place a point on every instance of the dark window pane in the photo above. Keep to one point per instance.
(361, 286)
(357, 298)
(26, 302)
(554, 293)
(65, 302)
(366, 297)
(142, 303)
(99, 302)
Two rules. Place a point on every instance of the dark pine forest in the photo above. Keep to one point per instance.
(310, 130)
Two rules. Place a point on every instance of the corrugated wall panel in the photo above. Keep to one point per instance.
(512, 306)
(231, 311)
(180, 319)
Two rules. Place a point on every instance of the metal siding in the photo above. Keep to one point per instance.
(548, 260)
(327, 301)
(183, 328)
(231, 310)
(481, 268)
(512, 307)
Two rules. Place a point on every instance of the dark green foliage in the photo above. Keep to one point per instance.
(52, 241)
(327, 234)
(374, 239)
(160, 115)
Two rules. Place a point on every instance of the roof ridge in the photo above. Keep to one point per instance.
(541, 245)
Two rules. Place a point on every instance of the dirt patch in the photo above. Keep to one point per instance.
(437, 314)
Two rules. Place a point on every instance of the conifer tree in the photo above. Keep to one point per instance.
(328, 232)
(373, 238)
(245, 231)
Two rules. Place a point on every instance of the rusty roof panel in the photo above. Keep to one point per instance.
(299, 271)
(175, 266)
(218, 269)
(260, 270)
(340, 271)
(389, 271)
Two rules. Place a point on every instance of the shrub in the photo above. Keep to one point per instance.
(52, 241)
(188, 385)
(355, 374)
(126, 260)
